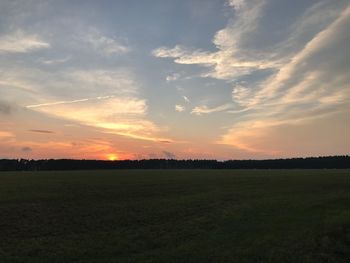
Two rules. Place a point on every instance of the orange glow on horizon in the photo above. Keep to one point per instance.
(112, 157)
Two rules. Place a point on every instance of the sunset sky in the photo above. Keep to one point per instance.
(178, 79)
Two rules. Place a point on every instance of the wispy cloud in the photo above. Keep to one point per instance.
(241, 95)
(179, 108)
(172, 77)
(230, 61)
(16, 79)
(119, 81)
(5, 107)
(112, 103)
(169, 155)
(26, 149)
(55, 61)
(104, 44)
(6, 134)
(237, 4)
(41, 131)
(294, 135)
(199, 110)
(303, 70)
(45, 86)
(186, 99)
(125, 116)
(21, 42)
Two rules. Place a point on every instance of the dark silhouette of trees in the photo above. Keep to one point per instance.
(327, 162)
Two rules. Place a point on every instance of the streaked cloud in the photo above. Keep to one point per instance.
(229, 62)
(6, 134)
(125, 116)
(5, 107)
(55, 61)
(104, 44)
(186, 99)
(179, 108)
(241, 95)
(172, 77)
(322, 134)
(21, 42)
(169, 155)
(41, 131)
(119, 81)
(199, 110)
(303, 70)
(26, 149)
(237, 4)
(15, 80)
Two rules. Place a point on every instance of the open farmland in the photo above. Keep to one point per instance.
(175, 216)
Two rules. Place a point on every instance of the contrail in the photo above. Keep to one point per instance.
(66, 102)
(56, 103)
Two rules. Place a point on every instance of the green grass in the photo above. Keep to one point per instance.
(175, 216)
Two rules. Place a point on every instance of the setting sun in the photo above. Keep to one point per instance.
(112, 157)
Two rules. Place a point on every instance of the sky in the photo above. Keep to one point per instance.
(199, 79)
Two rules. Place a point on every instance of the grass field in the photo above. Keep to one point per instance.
(175, 216)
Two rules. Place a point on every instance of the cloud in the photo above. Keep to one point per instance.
(55, 61)
(179, 108)
(304, 72)
(6, 134)
(98, 81)
(230, 61)
(199, 110)
(164, 52)
(111, 101)
(237, 4)
(84, 148)
(5, 107)
(95, 111)
(296, 74)
(41, 131)
(241, 95)
(299, 136)
(103, 44)
(60, 86)
(26, 149)
(165, 141)
(16, 80)
(21, 42)
(172, 77)
(169, 155)
(125, 116)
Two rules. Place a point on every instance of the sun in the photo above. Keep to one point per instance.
(112, 157)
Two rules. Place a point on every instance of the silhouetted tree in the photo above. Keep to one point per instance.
(327, 162)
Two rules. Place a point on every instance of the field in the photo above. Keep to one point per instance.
(175, 216)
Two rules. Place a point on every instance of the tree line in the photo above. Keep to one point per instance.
(325, 162)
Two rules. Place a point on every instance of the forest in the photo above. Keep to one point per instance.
(325, 162)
